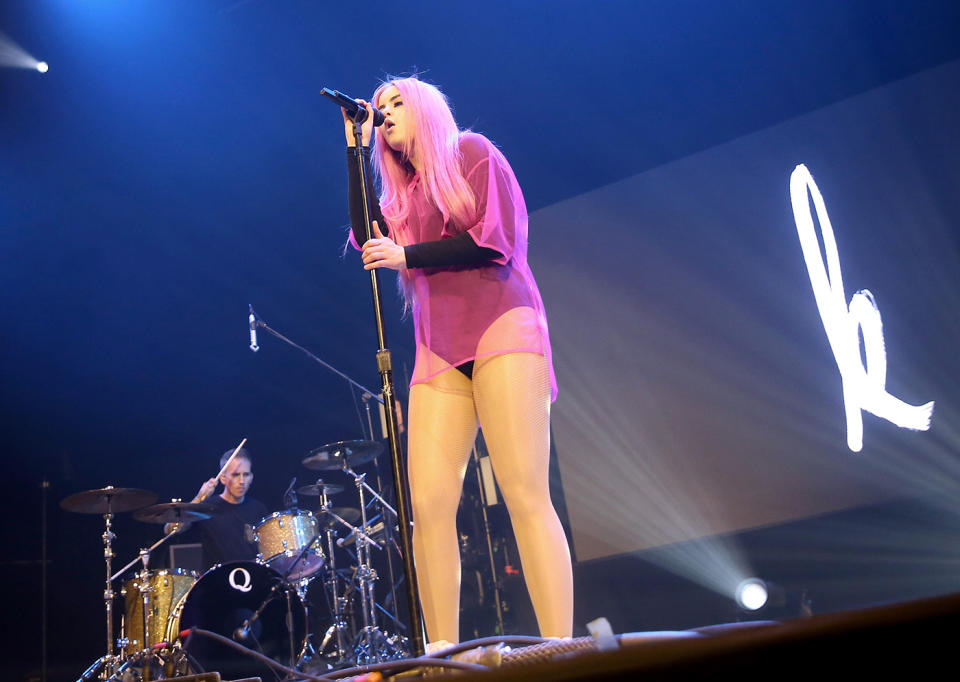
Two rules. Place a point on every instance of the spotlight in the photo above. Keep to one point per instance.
(752, 594)
(42, 67)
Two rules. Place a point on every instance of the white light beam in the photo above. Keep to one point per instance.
(14, 56)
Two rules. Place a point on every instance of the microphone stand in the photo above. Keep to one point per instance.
(258, 322)
(385, 367)
(243, 631)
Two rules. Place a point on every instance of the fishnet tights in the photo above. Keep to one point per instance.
(510, 397)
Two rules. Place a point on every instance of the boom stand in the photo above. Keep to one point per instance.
(385, 367)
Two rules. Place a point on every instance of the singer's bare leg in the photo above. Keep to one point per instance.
(443, 428)
(512, 395)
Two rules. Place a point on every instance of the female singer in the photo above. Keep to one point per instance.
(452, 221)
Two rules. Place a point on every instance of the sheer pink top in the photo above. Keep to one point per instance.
(455, 308)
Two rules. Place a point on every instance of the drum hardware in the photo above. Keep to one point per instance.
(287, 542)
(108, 501)
(249, 603)
(342, 454)
(372, 645)
(322, 460)
(136, 638)
(331, 517)
(164, 588)
(160, 662)
(319, 488)
(337, 601)
(175, 511)
(142, 636)
(376, 531)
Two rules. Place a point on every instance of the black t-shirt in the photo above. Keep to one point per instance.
(228, 534)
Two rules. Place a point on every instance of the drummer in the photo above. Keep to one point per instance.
(228, 534)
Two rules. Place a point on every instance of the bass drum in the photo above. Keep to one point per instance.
(227, 596)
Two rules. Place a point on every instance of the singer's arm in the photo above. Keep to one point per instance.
(458, 250)
(355, 196)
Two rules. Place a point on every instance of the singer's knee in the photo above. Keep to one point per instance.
(526, 503)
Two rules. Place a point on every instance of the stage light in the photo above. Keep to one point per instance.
(752, 594)
(42, 67)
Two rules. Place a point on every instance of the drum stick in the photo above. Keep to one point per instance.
(227, 463)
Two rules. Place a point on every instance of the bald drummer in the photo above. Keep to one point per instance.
(228, 534)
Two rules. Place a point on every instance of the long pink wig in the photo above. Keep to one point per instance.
(436, 143)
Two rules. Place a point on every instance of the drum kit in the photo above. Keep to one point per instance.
(262, 605)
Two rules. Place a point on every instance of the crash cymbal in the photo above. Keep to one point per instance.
(175, 512)
(108, 500)
(320, 487)
(351, 453)
(349, 514)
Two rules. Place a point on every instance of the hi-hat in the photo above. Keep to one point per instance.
(318, 488)
(108, 500)
(343, 454)
(175, 512)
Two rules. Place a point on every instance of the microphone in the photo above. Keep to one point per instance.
(242, 632)
(253, 329)
(354, 110)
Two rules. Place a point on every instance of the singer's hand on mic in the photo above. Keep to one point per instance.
(366, 128)
(383, 252)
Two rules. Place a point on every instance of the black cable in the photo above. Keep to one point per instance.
(358, 670)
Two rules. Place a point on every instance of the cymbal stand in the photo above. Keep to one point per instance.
(372, 644)
(369, 636)
(146, 589)
(338, 601)
(388, 528)
(144, 554)
(109, 661)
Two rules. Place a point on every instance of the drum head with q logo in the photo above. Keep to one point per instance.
(226, 597)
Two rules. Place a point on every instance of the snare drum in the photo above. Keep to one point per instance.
(166, 590)
(227, 596)
(282, 536)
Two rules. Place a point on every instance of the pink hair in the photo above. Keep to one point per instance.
(436, 142)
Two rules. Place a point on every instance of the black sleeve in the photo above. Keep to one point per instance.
(355, 198)
(459, 250)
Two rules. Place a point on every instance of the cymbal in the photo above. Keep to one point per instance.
(175, 512)
(320, 487)
(349, 514)
(107, 500)
(344, 453)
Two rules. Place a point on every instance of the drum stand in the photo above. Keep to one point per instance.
(244, 631)
(372, 645)
(145, 656)
(107, 666)
(109, 661)
(337, 630)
